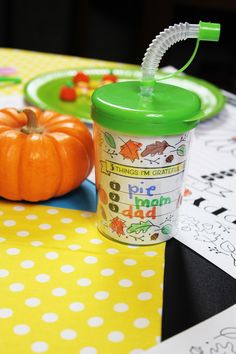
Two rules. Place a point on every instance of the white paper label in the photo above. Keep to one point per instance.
(140, 182)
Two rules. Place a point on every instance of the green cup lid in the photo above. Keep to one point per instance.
(170, 110)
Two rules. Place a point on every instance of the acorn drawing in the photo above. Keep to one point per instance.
(154, 236)
(170, 158)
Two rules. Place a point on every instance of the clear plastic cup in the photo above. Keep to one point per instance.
(140, 159)
(142, 133)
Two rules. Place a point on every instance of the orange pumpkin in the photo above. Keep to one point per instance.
(42, 154)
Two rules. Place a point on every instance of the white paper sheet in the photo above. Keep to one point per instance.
(216, 335)
(212, 167)
(208, 214)
(209, 237)
(211, 183)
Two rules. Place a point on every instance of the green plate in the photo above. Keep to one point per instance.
(43, 91)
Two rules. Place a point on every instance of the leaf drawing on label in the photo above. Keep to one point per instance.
(110, 140)
(130, 149)
(181, 151)
(117, 225)
(142, 226)
(157, 148)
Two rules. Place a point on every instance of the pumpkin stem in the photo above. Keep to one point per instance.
(32, 123)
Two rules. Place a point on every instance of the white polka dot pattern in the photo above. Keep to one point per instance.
(62, 283)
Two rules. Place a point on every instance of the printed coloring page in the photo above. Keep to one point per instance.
(216, 335)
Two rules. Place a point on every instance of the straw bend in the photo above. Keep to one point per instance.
(161, 43)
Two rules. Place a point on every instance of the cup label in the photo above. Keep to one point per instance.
(140, 182)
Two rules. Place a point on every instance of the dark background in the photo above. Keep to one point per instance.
(121, 31)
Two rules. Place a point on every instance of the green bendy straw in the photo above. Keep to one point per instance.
(205, 31)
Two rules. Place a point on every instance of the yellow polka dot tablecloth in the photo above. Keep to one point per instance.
(65, 289)
(29, 64)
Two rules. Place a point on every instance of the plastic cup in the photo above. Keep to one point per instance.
(142, 134)
(141, 150)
